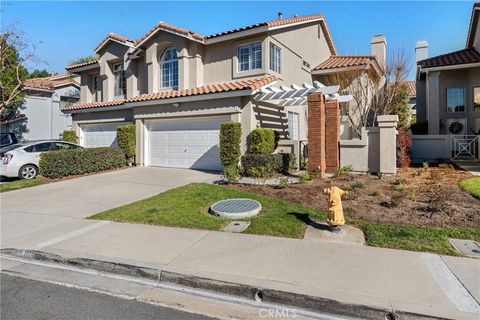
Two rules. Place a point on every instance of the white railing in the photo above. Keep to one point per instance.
(464, 147)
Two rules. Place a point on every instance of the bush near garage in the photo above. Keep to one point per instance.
(70, 136)
(230, 136)
(71, 162)
(261, 141)
(126, 141)
(277, 162)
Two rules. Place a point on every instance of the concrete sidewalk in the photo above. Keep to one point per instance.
(397, 280)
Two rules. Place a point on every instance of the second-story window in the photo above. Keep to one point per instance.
(169, 69)
(120, 80)
(249, 57)
(274, 58)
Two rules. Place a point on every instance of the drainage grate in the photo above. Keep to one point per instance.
(236, 208)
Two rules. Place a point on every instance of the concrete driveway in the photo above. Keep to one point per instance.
(34, 215)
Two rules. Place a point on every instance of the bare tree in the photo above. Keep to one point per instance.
(14, 52)
(374, 89)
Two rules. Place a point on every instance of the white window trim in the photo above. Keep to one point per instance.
(464, 100)
(161, 63)
(250, 69)
(291, 126)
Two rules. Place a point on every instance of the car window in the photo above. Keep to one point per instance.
(5, 139)
(62, 146)
(40, 147)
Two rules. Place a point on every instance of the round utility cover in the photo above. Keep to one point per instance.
(236, 208)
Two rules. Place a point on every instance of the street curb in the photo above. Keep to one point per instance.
(289, 299)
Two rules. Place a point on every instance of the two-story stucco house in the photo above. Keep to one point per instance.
(178, 86)
(40, 116)
(448, 86)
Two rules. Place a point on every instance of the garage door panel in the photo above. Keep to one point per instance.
(99, 135)
(189, 143)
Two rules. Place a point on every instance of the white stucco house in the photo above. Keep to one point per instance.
(177, 86)
(41, 116)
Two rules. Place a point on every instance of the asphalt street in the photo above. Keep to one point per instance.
(29, 299)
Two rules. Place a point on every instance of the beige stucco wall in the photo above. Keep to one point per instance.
(110, 54)
(437, 83)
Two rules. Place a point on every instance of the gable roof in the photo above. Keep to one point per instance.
(262, 26)
(49, 83)
(464, 56)
(116, 38)
(473, 27)
(344, 61)
(206, 89)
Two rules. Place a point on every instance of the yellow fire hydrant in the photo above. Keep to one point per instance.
(335, 212)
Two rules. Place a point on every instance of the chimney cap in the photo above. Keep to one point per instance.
(280, 15)
(421, 44)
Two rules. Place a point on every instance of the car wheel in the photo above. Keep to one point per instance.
(28, 171)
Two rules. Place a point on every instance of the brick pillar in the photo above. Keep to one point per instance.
(316, 133)
(332, 136)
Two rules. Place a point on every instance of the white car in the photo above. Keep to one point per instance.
(21, 159)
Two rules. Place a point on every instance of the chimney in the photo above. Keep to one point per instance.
(379, 49)
(280, 15)
(421, 50)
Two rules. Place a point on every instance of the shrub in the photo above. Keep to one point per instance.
(404, 143)
(419, 127)
(278, 162)
(261, 141)
(70, 136)
(231, 174)
(230, 136)
(72, 162)
(304, 176)
(344, 170)
(126, 140)
(260, 173)
(283, 182)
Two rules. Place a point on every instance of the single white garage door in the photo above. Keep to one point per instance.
(99, 135)
(184, 143)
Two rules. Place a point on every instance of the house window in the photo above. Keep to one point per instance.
(476, 99)
(249, 57)
(67, 101)
(120, 80)
(293, 126)
(96, 88)
(455, 100)
(274, 58)
(169, 69)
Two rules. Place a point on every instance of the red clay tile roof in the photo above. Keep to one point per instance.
(464, 56)
(49, 83)
(344, 61)
(412, 87)
(272, 23)
(114, 36)
(78, 65)
(172, 28)
(206, 89)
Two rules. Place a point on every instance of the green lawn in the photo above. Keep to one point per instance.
(18, 184)
(187, 207)
(471, 185)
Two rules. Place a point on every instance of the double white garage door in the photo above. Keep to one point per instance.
(184, 143)
(99, 135)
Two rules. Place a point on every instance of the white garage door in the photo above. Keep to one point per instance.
(99, 135)
(184, 143)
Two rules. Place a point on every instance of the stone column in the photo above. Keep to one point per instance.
(388, 143)
(332, 136)
(316, 133)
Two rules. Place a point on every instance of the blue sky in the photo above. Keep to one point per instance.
(63, 31)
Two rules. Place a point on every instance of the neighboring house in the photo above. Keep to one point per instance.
(448, 86)
(41, 116)
(178, 86)
(412, 96)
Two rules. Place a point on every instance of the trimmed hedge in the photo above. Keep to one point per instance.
(70, 136)
(261, 141)
(230, 137)
(72, 162)
(126, 140)
(278, 162)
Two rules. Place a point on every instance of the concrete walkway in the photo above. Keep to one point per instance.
(392, 279)
(470, 166)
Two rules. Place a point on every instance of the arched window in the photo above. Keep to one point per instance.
(169, 69)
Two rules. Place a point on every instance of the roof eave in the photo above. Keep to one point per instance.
(450, 67)
(83, 68)
(137, 45)
(114, 40)
(341, 69)
(473, 26)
